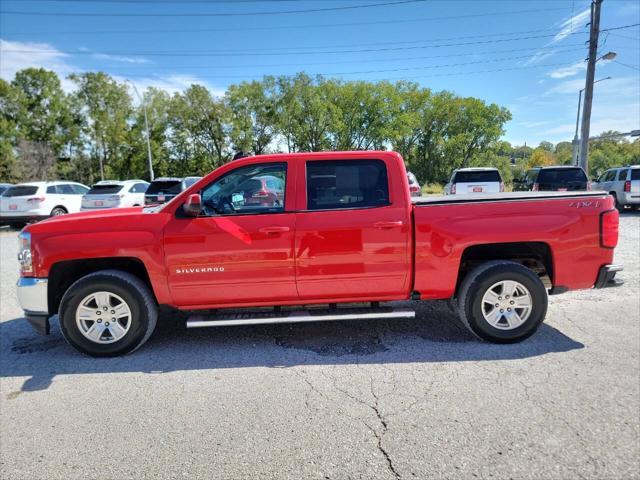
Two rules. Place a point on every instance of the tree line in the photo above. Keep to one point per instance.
(97, 131)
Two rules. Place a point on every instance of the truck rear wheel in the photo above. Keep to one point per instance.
(502, 302)
(107, 313)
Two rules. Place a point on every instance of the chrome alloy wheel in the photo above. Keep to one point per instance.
(103, 317)
(506, 305)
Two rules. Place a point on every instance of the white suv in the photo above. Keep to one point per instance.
(33, 201)
(474, 180)
(623, 183)
(115, 194)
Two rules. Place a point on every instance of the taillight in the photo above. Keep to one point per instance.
(535, 188)
(627, 186)
(453, 188)
(36, 199)
(502, 186)
(413, 188)
(609, 228)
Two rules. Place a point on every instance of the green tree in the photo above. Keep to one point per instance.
(105, 106)
(9, 171)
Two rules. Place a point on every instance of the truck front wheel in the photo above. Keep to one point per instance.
(107, 313)
(502, 302)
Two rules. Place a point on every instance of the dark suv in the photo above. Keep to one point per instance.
(557, 179)
(163, 189)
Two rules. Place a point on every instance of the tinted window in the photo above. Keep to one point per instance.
(104, 189)
(79, 189)
(635, 174)
(139, 188)
(66, 189)
(561, 175)
(52, 189)
(622, 174)
(477, 177)
(346, 184)
(164, 186)
(531, 176)
(245, 191)
(3, 188)
(190, 181)
(20, 191)
(609, 176)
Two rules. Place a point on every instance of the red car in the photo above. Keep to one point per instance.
(342, 229)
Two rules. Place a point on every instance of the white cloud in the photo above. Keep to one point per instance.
(569, 71)
(170, 83)
(119, 58)
(535, 124)
(19, 55)
(571, 24)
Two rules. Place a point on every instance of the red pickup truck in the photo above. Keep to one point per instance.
(313, 236)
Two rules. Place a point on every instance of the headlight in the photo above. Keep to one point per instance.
(24, 254)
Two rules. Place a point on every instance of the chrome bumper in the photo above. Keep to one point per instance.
(32, 295)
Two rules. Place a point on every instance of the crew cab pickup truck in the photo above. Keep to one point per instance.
(340, 240)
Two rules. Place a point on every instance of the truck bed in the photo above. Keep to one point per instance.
(500, 197)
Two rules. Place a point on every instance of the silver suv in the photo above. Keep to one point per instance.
(623, 183)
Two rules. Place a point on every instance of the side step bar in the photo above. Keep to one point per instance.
(297, 316)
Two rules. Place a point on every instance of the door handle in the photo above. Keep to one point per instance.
(273, 230)
(387, 225)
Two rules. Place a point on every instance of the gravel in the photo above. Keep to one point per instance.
(361, 400)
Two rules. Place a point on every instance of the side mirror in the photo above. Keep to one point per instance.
(193, 206)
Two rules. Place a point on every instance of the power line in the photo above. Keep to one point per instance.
(210, 14)
(343, 62)
(626, 65)
(236, 53)
(286, 27)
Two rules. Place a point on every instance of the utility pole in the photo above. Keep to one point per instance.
(576, 141)
(594, 32)
(146, 126)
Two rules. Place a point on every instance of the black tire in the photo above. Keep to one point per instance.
(480, 280)
(138, 297)
(617, 204)
(56, 212)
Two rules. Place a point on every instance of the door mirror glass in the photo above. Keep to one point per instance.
(193, 206)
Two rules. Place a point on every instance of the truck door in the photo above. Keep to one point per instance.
(240, 249)
(352, 238)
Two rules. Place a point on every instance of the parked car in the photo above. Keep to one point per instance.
(623, 183)
(4, 186)
(345, 233)
(163, 189)
(115, 194)
(474, 180)
(553, 179)
(414, 185)
(33, 201)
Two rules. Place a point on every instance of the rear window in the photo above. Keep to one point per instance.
(20, 191)
(635, 174)
(104, 189)
(561, 175)
(477, 177)
(190, 181)
(170, 186)
(346, 184)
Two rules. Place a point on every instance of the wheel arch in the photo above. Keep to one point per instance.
(63, 274)
(536, 256)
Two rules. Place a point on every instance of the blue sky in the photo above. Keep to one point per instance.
(525, 55)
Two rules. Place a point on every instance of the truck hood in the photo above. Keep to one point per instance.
(114, 219)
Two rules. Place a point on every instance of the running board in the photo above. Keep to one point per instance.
(297, 316)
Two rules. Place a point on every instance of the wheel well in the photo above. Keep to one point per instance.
(63, 274)
(534, 255)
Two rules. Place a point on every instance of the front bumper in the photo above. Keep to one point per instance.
(606, 276)
(32, 295)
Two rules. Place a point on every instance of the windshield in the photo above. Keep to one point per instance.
(561, 175)
(21, 191)
(477, 177)
(164, 186)
(104, 189)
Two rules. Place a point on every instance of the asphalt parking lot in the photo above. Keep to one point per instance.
(361, 400)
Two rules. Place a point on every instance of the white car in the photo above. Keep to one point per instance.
(115, 194)
(474, 180)
(33, 201)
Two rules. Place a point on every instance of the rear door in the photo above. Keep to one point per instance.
(235, 252)
(487, 181)
(352, 237)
